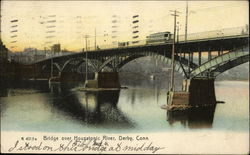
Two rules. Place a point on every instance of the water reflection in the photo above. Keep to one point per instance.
(201, 117)
(34, 105)
(3, 91)
(90, 107)
(14, 88)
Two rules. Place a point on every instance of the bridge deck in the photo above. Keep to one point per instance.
(202, 45)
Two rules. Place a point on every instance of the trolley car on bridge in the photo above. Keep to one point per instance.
(160, 37)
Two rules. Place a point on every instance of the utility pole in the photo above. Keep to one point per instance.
(186, 27)
(178, 28)
(95, 38)
(173, 51)
(52, 53)
(89, 45)
(86, 65)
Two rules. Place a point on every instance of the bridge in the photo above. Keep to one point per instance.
(200, 59)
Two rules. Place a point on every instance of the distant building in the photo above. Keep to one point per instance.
(56, 48)
(21, 57)
(65, 51)
(4, 63)
(38, 57)
(3, 52)
(28, 55)
(30, 49)
(31, 55)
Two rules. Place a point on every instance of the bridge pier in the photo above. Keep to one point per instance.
(201, 91)
(55, 78)
(196, 92)
(104, 80)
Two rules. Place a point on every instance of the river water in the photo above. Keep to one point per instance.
(36, 106)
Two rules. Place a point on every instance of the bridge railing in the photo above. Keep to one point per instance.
(115, 45)
(235, 31)
(243, 30)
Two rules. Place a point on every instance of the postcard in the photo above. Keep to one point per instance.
(124, 77)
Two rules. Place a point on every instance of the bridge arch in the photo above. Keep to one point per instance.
(55, 65)
(79, 61)
(160, 58)
(230, 64)
(221, 63)
(120, 61)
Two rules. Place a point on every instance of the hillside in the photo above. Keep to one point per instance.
(145, 67)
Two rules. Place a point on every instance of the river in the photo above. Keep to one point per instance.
(36, 106)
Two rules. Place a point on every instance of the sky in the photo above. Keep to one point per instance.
(43, 23)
